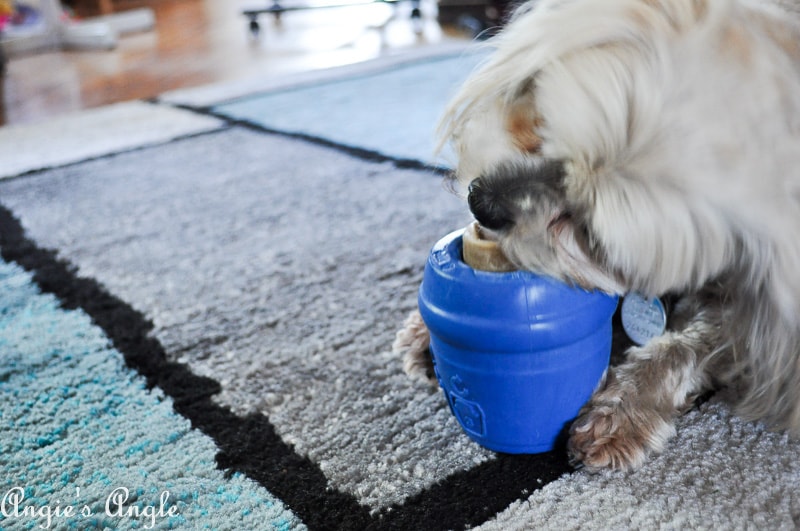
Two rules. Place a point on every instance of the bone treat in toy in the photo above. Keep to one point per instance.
(483, 253)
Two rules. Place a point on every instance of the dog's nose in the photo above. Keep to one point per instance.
(486, 207)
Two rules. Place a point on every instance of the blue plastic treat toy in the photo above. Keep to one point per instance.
(517, 354)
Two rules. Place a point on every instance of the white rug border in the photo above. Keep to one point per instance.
(96, 132)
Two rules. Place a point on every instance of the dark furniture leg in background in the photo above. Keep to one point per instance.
(276, 9)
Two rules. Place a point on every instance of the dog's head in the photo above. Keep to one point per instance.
(523, 204)
(594, 139)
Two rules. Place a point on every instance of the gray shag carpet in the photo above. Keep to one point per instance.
(198, 297)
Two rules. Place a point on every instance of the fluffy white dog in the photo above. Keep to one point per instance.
(649, 146)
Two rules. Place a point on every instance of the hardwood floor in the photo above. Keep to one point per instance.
(196, 42)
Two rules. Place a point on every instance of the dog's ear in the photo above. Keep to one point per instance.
(524, 122)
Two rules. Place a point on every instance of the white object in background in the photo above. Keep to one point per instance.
(55, 31)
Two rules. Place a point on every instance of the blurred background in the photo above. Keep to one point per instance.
(59, 57)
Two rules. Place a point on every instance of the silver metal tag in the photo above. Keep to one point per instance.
(642, 318)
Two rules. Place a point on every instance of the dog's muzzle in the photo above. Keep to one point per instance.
(487, 207)
(497, 199)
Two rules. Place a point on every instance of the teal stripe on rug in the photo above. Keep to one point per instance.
(392, 112)
(80, 433)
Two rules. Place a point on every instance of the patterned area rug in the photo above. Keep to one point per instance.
(198, 297)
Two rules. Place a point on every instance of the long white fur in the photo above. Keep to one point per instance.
(611, 86)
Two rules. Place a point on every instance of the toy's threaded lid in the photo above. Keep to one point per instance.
(482, 253)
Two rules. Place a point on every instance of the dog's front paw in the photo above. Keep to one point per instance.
(613, 432)
(413, 343)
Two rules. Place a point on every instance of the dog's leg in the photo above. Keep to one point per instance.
(413, 343)
(634, 413)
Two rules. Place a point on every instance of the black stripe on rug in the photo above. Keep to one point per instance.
(354, 151)
(250, 444)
